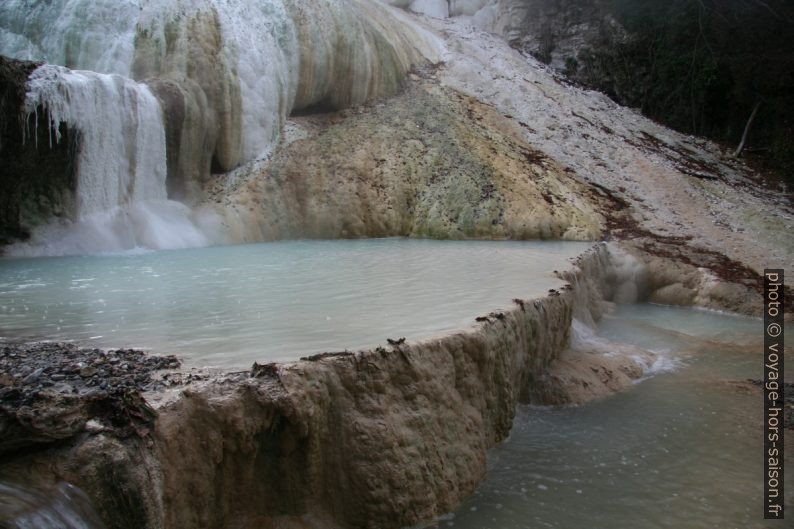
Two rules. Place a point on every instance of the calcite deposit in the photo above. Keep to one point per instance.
(377, 438)
(350, 118)
(430, 162)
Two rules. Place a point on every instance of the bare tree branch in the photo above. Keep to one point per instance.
(747, 127)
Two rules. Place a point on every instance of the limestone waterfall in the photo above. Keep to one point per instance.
(164, 93)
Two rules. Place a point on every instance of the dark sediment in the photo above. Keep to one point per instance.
(53, 391)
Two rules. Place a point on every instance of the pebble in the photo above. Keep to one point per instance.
(33, 377)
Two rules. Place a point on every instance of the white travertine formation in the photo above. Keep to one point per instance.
(249, 62)
(226, 74)
(122, 158)
(497, 16)
(387, 437)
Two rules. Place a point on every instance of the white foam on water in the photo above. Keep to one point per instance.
(652, 361)
(137, 227)
(584, 337)
(662, 363)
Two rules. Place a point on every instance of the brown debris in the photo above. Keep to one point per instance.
(52, 391)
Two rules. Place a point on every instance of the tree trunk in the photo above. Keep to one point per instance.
(747, 127)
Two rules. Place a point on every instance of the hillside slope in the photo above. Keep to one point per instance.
(492, 143)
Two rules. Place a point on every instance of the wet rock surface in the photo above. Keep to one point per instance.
(52, 391)
(36, 182)
(382, 438)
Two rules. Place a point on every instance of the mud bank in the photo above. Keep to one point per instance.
(381, 438)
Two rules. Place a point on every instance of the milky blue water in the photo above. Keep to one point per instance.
(680, 450)
(230, 306)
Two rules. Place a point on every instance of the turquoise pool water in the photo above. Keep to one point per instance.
(233, 305)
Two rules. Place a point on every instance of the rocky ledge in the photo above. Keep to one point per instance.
(386, 437)
(52, 391)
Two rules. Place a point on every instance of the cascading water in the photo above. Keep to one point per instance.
(257, 46)
(122, 156)
(97, 35)
(221, 76)
(498, 16)
(63, 506)
(121, 200)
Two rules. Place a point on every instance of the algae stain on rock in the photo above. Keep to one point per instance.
(429, 162)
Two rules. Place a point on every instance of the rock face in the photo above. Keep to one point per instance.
(226, 73)
(225, 104)
(430, 162)
(379, 438)
(375, 439)
(38, 178)
(558, 32)
(670, 184)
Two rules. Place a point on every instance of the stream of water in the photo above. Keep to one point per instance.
(681, 450)
(61, 506)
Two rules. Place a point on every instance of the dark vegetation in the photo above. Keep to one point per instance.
(703, 67)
